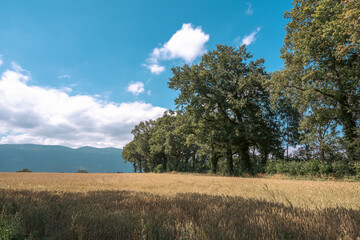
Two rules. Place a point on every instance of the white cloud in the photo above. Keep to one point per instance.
(32, 114)
(155, 68)
(249, 10)
(1, 60)
(247, 40)
(64, 76)
(136, 88)
(16, 67)
(188, 43)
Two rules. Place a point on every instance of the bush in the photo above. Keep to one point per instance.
(271, 167)
(159, 168)
(325, 169)
(340, 169)
(356, 167)
(82, 171)
(24, 170)
(313, 168)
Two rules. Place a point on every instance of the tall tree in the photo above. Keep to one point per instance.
(224, 92)
(138, 150)
(322, 62)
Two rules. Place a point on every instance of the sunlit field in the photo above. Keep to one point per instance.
(175, 206)
(299, 193)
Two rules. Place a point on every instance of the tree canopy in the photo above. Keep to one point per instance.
(232, 116)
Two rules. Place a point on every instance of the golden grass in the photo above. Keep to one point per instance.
(299, 193)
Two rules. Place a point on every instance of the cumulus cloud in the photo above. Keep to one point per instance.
(247, 40)
(33, 114)
(136, 88)
(155, 68)
(249, 10)
(64, 76)
(187, 43)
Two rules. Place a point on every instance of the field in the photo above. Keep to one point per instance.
(175, 206)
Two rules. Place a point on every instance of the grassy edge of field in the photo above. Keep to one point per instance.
(139, 215)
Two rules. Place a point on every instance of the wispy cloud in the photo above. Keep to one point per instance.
(247, 40)
(187, 43)
(1, 60)
(64, 76)
(249, 10)
(17, 67)
(136, 88)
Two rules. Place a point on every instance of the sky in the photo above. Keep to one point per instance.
(85, 72)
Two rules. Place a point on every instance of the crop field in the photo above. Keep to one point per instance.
(175, 206)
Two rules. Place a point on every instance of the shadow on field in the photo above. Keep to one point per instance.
(133, 215)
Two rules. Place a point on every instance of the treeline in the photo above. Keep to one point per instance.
(232, 116)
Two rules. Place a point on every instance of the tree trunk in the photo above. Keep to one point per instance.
(321, 152)
(264, 156)
(349, 129)
(164, 163)
(229, 162)
(193, 162)
(287, 152)
(245, 156)
(214, 161)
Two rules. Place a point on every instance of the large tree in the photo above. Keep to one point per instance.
(224, 94)
(322, 63)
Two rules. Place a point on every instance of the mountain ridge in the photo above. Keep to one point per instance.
(57, 158)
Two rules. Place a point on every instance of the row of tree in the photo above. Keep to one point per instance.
(232, 116)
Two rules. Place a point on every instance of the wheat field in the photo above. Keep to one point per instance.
(300, 193)
(175, 206)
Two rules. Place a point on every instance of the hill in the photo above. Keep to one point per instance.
(46, 158)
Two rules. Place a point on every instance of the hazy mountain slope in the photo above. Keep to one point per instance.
(43, 158)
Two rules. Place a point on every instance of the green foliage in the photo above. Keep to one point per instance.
(228, 105)
(159, 168)
(225, 96)
(82, 171)
(166, 142)
(10, 228)
(322, 69)
(356, 168)
(338, 169)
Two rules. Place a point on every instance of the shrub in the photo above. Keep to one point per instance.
(271, 167)
(159, 168)
(313, 167)
(340, 169)
(325, 169)
(24, 170)
(294, 168)
(82, 171)
(356, 167)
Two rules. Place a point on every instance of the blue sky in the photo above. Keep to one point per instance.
(81, 73)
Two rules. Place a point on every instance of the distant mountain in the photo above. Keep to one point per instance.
(47, 158)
